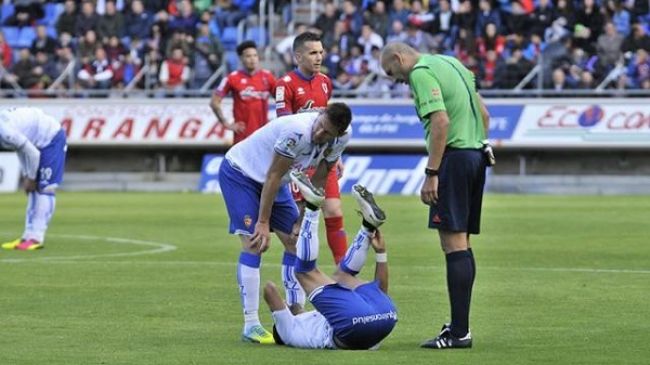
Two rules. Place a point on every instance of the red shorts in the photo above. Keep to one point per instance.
(332, 190)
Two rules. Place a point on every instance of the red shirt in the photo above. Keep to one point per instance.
(250, 98)
(296, 93)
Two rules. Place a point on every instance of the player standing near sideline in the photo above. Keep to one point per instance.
(254, 178)
(302, 90)
(40, 143)
(250, 88)
(456, 124)
(350, 314)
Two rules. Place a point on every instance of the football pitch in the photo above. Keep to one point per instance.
(150, 279)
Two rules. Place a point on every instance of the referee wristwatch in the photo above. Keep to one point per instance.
(430, 172)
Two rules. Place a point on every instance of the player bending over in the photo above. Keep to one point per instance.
(350, 314)
(41, 146)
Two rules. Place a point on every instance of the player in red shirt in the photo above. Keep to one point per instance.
(306, 90)
(250, 89)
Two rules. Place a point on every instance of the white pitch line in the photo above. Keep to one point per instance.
(223, 263)
(158, 247)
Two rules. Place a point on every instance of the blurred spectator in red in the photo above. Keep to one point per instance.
(98, 73)
(6, 52)
(492, 62)
(420, 16)
(68, 19)
(115, 50)
(490, 41)
(87, 19)
(174, 72)
(111, 23)
(465, 46)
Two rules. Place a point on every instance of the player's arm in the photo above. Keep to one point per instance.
(28, 154)
(430, 104)
(280, 165)
(485, 115)
(215, 104)
(381, 267)
(283, 98)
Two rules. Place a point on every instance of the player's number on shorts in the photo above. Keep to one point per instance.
(45, 173)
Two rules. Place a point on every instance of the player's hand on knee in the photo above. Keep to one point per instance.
(261, 238)
(429, 192)
(29, 185)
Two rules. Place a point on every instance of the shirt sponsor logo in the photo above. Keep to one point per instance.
(248, 221)
(301, 91)
(250, 93)
(324, 86)
(392, 316)
(279, 95)
(435, 93)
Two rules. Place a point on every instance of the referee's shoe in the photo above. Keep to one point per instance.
(446, 340)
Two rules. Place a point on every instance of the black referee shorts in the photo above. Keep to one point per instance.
(460, 191)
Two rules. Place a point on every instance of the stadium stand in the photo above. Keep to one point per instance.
(547, 45)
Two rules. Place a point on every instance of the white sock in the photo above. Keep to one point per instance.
(40, 208)
(308, 243)
(248, 278)
(294, 293)
(355, 258)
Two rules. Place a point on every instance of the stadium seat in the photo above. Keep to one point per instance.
(232, 61)
(11, 35)
(257, 34)
(229, 38)
(51, 31)
(6, 11)
(26, 36)
(52, 12)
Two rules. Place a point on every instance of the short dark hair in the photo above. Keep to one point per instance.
(303, 38)
(244, 46)
(340, 115)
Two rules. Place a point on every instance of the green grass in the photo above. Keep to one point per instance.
(561, 280)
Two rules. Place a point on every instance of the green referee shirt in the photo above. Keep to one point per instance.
(442, 83)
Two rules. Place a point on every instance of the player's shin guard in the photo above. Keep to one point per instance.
(355, 258)
(294, 293)
(248, 278)
(336, 237)
(307, 246)
(460, 273)
(40, 208)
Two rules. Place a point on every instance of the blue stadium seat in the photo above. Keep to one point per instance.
(51, 31)
(52, 12)
(257, 34)
(6, 11)
(232, 61)
(229, 38)
(11, 35)
(26, 36)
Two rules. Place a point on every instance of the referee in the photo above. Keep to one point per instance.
(455, 123)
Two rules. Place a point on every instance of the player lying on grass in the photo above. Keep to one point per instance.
(351, 314)
(254, 180)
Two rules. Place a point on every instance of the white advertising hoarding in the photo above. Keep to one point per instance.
(9, 172)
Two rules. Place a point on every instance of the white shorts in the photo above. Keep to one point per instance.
(307, 330)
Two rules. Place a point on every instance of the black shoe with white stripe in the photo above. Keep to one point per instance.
(446, 340)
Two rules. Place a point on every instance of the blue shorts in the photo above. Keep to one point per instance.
(460, 191)
(360, 318)
(52, 163)
(242, 196)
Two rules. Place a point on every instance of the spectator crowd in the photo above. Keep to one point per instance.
(576, 44)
